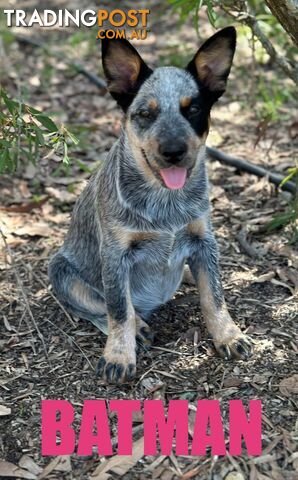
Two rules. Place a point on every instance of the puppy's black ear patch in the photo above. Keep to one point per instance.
(124, 69)
(212, 63)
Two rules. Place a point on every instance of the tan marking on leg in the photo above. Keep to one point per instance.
(121, 342)
(185, 101)
(198, 227)
(82, 295)
(218, 320)
(228, 339)
(120, 349)
(121, 235)
(143, 236)
(126, 237)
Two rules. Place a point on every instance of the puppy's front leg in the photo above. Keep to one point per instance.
(228, 339)
(118, 363)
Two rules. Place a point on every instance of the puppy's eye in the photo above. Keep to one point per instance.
(144, 113)
(193, 110)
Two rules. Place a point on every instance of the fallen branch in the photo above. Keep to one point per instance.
(245, 166)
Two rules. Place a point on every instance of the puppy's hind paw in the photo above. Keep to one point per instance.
(144, 336)
(240, 348)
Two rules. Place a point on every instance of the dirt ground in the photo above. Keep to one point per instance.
(47, 354)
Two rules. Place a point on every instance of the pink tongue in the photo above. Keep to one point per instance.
(174, 177)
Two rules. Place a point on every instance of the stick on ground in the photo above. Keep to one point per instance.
(245, 166)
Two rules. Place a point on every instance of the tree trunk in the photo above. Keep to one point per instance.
(286, 12)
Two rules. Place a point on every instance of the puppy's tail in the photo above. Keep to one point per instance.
(77, 296)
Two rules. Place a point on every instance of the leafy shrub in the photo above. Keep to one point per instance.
(26, 132)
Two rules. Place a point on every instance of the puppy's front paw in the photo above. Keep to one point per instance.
(116, 369)
(239, 347)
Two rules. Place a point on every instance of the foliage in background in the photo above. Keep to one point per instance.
(26, 133)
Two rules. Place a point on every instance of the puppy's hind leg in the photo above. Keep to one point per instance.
(77, 296)
(84, 301)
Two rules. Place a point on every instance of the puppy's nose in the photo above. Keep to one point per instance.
(173, 152)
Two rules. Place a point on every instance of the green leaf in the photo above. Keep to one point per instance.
(72, 137)
(211, 13)
(6, 162)
(65, 156)
(33, 111)
(47, 122)
(293, 172)
(83, 166)
(10, 104)
(281, 220)
(39, 135)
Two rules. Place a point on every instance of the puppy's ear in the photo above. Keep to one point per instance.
(212, 63)
(124, 69)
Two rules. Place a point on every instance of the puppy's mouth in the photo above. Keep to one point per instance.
(173, 178)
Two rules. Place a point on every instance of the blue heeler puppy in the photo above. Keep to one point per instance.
(145, 214)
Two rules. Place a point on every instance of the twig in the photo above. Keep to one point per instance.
(250, 168)
(20, 284)
(167, 350)
(249, 249)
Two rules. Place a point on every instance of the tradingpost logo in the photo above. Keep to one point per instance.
(117, 23)
(119, 18)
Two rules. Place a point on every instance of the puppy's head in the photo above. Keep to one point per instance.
(167, 110)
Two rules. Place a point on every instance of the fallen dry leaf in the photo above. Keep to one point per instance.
(283, 284)
(289, 385)
(4, 410)
(265, 277)
(289, 275)
(232, 382)
(29, 464)
(8, 469)
(190, 334)
(216, 192)
(35, 230)
(119, 464)
(62, 196)
(58, 463)
(64, 465)
(234, 476)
